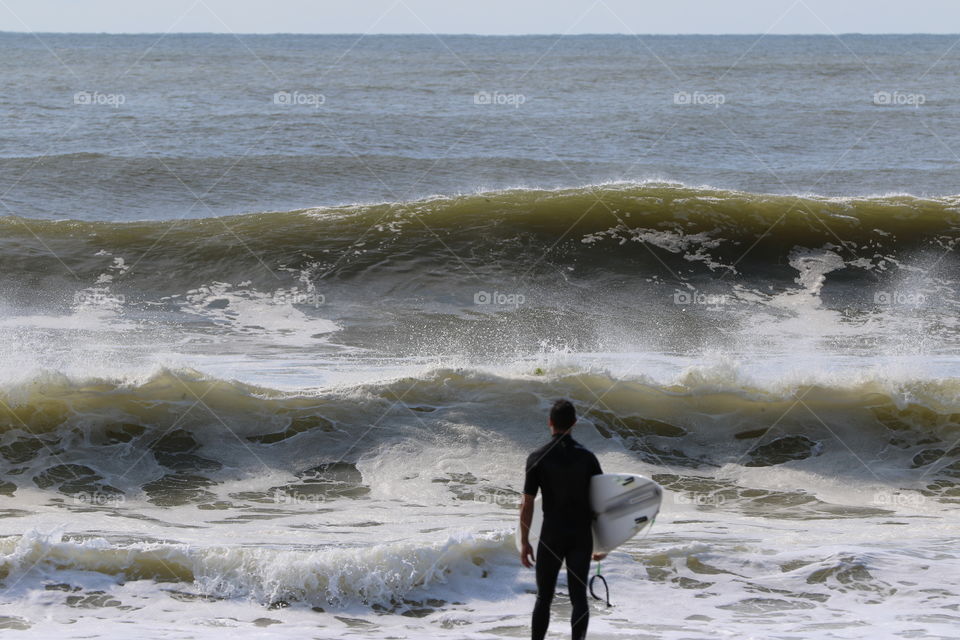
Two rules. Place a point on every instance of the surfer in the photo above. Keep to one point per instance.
(562, 469)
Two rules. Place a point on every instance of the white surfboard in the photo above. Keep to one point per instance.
(624, 504)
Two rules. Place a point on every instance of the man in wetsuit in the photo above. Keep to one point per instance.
(562, 469)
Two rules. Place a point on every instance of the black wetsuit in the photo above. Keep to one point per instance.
(562, 469)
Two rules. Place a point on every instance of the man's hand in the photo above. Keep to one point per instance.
(526, 556)
(599, 556)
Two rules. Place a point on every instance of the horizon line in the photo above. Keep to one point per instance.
(475, 35)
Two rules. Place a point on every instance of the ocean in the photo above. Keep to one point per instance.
(281, 317)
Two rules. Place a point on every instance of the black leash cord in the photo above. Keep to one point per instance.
(605, 587)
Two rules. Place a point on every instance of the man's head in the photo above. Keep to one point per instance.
(562, 416)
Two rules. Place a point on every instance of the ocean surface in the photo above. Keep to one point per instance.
(281, 316)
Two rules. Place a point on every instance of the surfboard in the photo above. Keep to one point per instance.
(624, 505)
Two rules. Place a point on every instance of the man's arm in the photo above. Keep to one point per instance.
(531, 484)
(597, 471)
(526, 517)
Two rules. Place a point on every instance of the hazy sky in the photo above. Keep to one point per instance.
(483, 16)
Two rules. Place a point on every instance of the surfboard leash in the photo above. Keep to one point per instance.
(606, 588)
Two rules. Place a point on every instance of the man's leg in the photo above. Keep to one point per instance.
(548, 567)
(578, 572)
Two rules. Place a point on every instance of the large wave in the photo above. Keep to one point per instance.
(638, 230)
(175, 435)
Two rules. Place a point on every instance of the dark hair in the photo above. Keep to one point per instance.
(563, 415)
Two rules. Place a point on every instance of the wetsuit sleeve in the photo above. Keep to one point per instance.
(596, 471)
(531, 481)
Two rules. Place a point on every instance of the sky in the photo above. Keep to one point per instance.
(482, 16)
